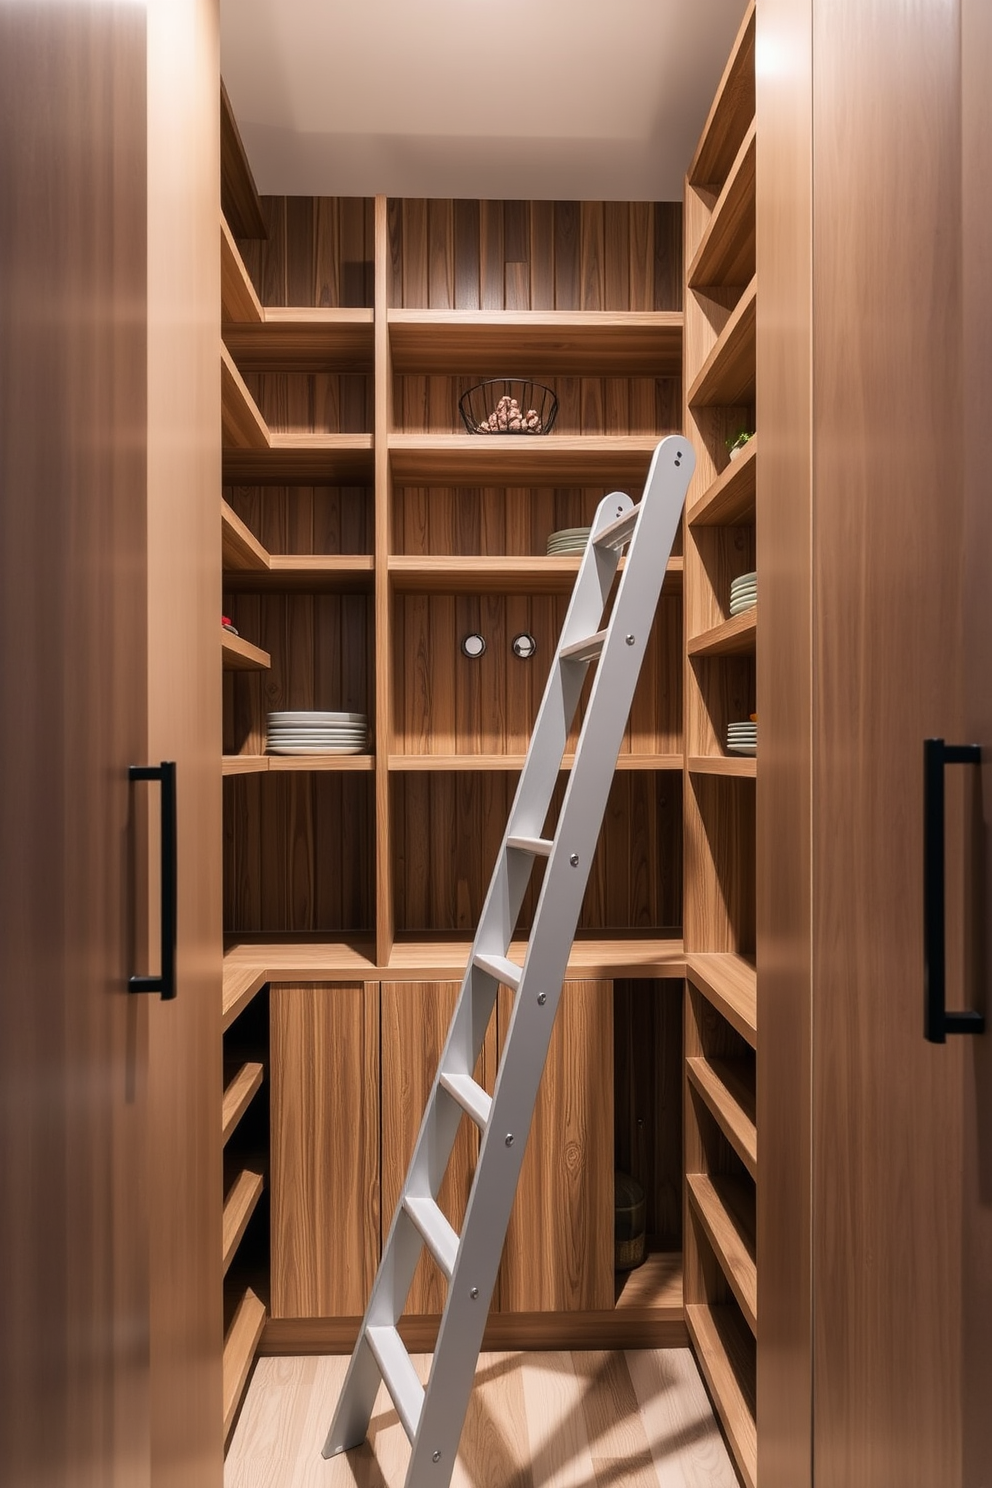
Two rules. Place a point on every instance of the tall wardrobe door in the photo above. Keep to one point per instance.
(184, 724)
(976, 1093)
(74, 1231)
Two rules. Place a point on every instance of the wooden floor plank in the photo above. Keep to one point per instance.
(536, 1420)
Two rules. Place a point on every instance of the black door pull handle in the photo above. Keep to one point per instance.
(937, 1021)
(165, 983)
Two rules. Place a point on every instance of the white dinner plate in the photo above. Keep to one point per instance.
(310, 717)
(317, 749)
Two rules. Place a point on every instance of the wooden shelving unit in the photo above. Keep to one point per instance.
(722, 653)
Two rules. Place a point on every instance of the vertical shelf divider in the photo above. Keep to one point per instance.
(384, 897)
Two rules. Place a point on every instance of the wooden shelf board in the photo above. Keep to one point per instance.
(727, 377)
(239, 1094)
(538, 343)
(725, 1352)
(731, 112)
(734, 766)
(238, 192)
(243, 428)
(305, 573)
(514, 460)
(288, 339)
(242, 1340)
(241, 550)
(302, 460)
(251, 962)
(239, 655)
(725, 1207)
(238, 300)
(657, 1283)
(729, 1096)
(725, 255)
(532, 574)
(734, 637)
(239, 1206)
(295, 764)
(730, 983)
(730, 499)
(443, 763)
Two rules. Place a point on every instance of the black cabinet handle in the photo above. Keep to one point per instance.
(165, 984)
(937, 1021)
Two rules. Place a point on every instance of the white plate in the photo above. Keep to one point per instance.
(318, 749)
(309, 717)
(748, 578)
(301, 738)
(569, 532)
(740, 606)
(749, 749)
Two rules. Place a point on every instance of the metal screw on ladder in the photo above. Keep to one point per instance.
(542, 998)
(574, 860)
(630, 640)
(509, 1139)
(436, 1457)
(474, 1293)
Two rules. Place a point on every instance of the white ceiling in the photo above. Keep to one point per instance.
(537, 99)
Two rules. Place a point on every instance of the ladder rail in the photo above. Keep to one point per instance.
(652, 527)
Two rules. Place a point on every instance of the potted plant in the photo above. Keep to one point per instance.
(738, 443)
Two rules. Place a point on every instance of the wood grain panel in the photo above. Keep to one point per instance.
(415, 1021)
(74, 1329)
(325, 1147)
(719, 848)
(558, 1254)
(318, 251)
(312, 402)
(306, 519)
(587, 405)
(238, 192)
(647, 1086)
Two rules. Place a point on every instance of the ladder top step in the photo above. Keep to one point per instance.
(398, 1375)
(504, 970)
(441, 1239)
(540, 847)
(474, 1101)
(585, 650)
(619, 532)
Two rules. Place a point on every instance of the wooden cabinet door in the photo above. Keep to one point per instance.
(74, 1306)
(324, 1148)
(415, 1021)
(558, 1255)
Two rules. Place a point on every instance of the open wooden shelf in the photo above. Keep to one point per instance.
(238, 300)
(730, 499)
(243, 426)
(239, 1206)
(240, 1343)
(727, 376)
(736, 766)
(731, 985)
(731, 112)
(262, 764)
(249, 566)
(239, 1093)
(538, 343)
(726, 254)
(521, 460)
(407, 763)
(726, 1086)
(239, 655)
(725, 1207)
(725, 1351)
(535, 574)
(656, 1283)
(733, 637)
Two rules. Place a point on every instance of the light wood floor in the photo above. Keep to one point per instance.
(556, 1420)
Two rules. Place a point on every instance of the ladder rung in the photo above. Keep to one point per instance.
(507, 972)
(441, 1239)
(540, 847)
(618, 532)
(586, 650)
(398, 1375)
(474, 1101)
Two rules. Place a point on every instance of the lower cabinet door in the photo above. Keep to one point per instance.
(324, 1128)
(558, 1255)
(415, 1020)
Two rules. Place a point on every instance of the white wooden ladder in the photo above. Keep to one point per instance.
(433, 1416)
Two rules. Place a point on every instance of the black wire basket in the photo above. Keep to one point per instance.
(508, 405)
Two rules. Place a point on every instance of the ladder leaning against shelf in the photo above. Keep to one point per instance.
(433, 1416)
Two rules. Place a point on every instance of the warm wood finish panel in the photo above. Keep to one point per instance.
(730, 498)
(239, 1205)
(726, 254)
(302, 459)
(239, 655)
(513, 256)
(240, 547)
(415, 1021)
(731, 113)
(319, 251)
(321, 402)
(719, 846)
(485, 460)
(240, 1344)
(496, 575)
(558, 1254)
(727, 1087)
(727, 375)
(239, 304)
(647, 1084)
(243, 1086)
(591, 406)
(243, 426)
(441, 874)
(725, 1206)
(538, 344)
(290, 863)
(734, 637)
(729, 982)
(238, 192)
(294, 521)
(725, 1352)
(325, 1147)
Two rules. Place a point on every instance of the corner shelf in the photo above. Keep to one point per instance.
(587, 343)
(726, 254)
(725, 1207)
(730, 499)
(730, 983)
(730, 1099)
(733, 637)
(239, 1093)
(239, 1206)
(725, 1350)
(240, 1342)
(727, 376)
(731, 112)
(508, 460)
(239, 655)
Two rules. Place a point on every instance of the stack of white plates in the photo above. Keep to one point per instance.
(304, 732)
(742, 738)
(568, 540)
(743, 593)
